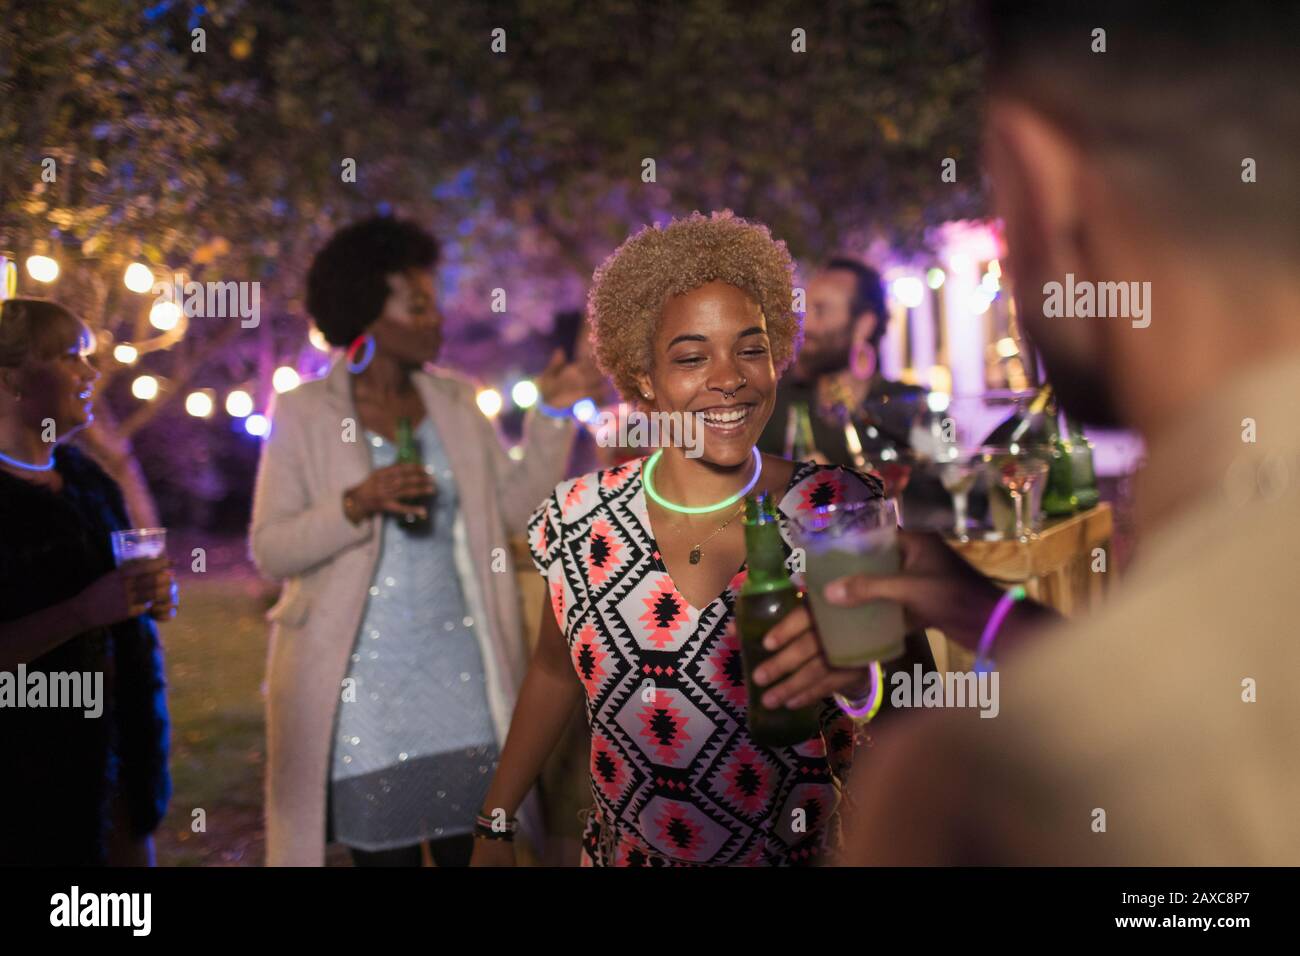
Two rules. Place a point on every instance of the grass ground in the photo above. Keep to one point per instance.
(216, 658)
(216, 663)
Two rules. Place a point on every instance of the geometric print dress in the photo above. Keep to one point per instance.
(676, 779)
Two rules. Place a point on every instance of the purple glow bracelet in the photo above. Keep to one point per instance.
(991, 628)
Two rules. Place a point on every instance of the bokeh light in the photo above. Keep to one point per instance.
(145, 388)
(42, 268)
(138, 277)
(239, 403)
(489, 402)
(198, 404)
(285, 379)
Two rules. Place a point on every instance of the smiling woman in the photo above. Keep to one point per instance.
(630, 290)
(643, 564)
(77, 791)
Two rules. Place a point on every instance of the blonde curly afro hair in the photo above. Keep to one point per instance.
(630, 288)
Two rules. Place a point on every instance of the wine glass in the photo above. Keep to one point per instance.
(1019, 473)
(895, 471)
(957, 473)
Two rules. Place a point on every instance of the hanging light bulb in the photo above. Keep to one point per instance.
(138, 277)
(145, 388)
(42, 268)
(199, 404)
(239, 404)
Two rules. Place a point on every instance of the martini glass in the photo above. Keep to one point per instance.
(1018, 472)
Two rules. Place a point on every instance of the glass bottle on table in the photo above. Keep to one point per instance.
(766, 597)
(1058, 496)
(1025, 427)
(799, 443)
(408, 452)
(1083, 474)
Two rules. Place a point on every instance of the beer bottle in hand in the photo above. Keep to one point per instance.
(765, 598)
(409, 453)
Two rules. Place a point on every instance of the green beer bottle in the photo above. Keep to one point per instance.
(1058, 497)
(409, 453)
(765, 598)
(1085, 478)
(799, 444)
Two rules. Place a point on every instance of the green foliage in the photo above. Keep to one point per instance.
(527, 164)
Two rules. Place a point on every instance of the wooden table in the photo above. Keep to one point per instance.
(1056, 568)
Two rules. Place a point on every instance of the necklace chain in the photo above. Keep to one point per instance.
(698, 551)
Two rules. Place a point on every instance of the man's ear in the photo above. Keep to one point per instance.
(864, 326)
(1035, 171)
(862, 354)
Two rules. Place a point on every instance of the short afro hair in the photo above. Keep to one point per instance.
(347, 284)
(630, 288)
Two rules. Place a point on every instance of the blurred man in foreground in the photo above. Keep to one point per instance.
(1162, 730)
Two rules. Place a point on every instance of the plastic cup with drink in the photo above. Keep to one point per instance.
(846, 538)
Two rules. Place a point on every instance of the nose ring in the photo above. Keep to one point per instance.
(732, 394)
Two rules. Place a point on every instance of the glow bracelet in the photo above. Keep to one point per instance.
(1000, 612)
(875, 697)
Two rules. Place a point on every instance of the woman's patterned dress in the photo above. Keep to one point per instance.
(675, 777)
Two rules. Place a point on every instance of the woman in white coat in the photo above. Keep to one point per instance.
(395, 651)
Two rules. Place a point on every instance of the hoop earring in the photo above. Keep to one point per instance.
(368, 341)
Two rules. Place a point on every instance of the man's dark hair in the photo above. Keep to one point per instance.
(347, 283)
(868, 295)
(1183, 94)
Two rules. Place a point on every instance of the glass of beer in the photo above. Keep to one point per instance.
(851, 537)
(135, 544)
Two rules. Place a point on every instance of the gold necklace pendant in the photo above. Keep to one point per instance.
(697, 552)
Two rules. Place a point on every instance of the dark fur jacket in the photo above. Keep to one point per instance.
(61, 769)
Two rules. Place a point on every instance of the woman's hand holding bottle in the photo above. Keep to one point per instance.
(386, 490)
